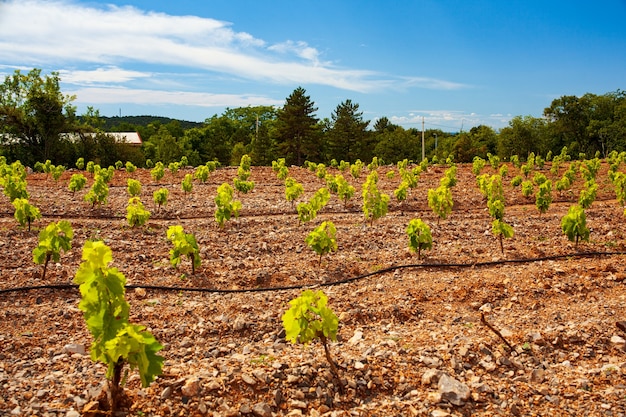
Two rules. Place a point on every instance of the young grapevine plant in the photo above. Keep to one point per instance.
(323, 239)
(99, 191)
(543, 199)
(293, 190)
(375, 203)
(54, 238)
(345, 191)
(420, 236)
(440, 201)
(184, 244)
(310, 318)
(160, 197)
(77, 183)
(25, 213)
(226, 207)
(187, 183)
(136, 213)
(574, 224)
(133, 187)
(116, 342)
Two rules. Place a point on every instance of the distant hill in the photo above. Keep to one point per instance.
(110, 123)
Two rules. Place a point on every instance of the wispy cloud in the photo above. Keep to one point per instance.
(104, 75)
(62, 33)
(450, 120)
(155, 97)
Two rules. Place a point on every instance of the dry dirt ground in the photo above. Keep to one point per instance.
(411, 340)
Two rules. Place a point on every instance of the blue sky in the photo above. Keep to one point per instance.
(456, 64)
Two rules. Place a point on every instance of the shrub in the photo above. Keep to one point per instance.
(420, 236)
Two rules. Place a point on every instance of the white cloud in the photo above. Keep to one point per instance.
(138, 96)
(101, 75)
(62, 33)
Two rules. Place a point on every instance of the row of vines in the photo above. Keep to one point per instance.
(117, 342)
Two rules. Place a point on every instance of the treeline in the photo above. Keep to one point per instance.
(34, 112)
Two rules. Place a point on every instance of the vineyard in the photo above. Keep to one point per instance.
(502, 299)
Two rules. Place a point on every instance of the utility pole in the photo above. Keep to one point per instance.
(423, 149)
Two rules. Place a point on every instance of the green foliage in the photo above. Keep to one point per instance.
(173, 167)
(57, 172)
(345, 191)
(150, 164)
(14, 187)
(54, 238)
(158, 171)
(515, 161)
(310, 318)
(420, 236)
(119, 165)
(440, 201)
(449, 178)
(574, 224)
(99, 191)
(527, 188)
(202, 173)
(243, 186)
(562, 184)
(501, 230)
(80, 163)
(277, 167)
(323, 239)
(212, 165)
(105, 174)
(539, 178)
(115, 340)
(77, 182)
(494, 161)
(410, 177)
(344, 166)
(375, 203)
(517, 181)
(308, 211)
(619, 182)
(589, 169)
(588, 194)
(390, 174)
(133, 187)
(91, 167)
(241, 183)
(225, 206)
(160, 197)
(184, 161)
(478, 164)
(184, 244)
(293, 190)
(356, 168)
(331, 184)
(401, 192)
(320, 171)
(25, 213)
(136, 213)
(482, 181)
(372, 166)
(187, 183)
(543, 199)
(130, 167)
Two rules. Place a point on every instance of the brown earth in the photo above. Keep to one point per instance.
(411, 339)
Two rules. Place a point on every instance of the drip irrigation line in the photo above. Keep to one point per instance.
(68, 286)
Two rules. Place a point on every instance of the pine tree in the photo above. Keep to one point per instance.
(297, 133)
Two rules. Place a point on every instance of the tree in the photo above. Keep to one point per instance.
(33, 114)
(397, 144)
(347, 136)
(297, 133)
(522, 136)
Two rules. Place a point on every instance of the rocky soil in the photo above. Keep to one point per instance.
(412, 340)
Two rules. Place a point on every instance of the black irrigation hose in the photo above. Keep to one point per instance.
(332, 283)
